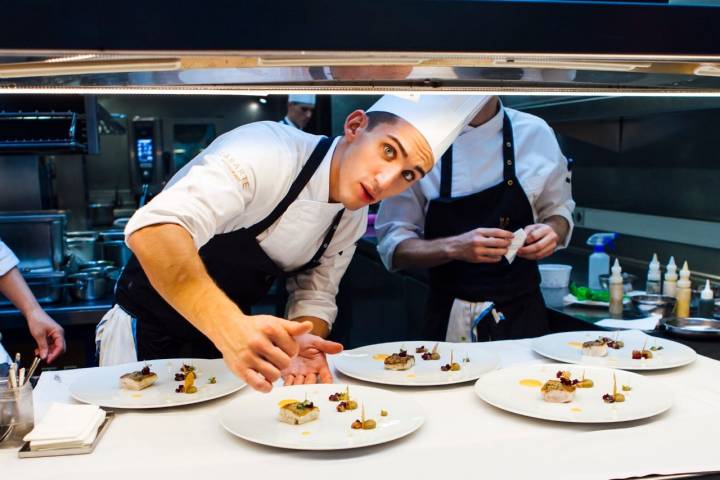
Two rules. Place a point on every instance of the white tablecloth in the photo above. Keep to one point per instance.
(462, 438)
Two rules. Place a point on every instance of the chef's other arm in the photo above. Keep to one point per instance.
(554, 206)
(400, 224)
(48, 335)
(255, 347)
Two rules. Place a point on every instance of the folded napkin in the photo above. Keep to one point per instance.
(517, 242)
(66, 426)
(648, 323)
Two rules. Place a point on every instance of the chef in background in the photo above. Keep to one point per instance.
(48, 335)
(503, 173)
(300, 109)
(261, 202)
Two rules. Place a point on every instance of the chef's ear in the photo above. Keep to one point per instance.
(355, 123)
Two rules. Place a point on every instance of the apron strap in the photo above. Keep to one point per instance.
(508, 153)
(302, 179)
(315, 260)
(446, 174)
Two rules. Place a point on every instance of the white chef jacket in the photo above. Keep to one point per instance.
(540, 167)
(237, 181)
(8, 260)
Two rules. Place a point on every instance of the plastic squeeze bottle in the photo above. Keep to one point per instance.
(683, 292)
(670, 283)
(615, 285)
(599, 261)
(653, 285)
(707, 302)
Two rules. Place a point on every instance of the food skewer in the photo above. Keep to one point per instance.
(34, 366)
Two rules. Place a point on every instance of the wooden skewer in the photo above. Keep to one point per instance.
(644, 345)
(362, 414)
(12, 379)
(614, 386)
(21, 377)
(34, 365)
(451, 358)
(434, 350)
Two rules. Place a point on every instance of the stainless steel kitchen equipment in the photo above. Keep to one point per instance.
(36, 238)
(657, 304)
(88, 285)
(100, 214)
(47, 287)
(628, 281)
(692, 327)
(83, 249)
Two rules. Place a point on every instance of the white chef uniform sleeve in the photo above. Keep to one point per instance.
(556, 196)
(8, 260)
(399, 218)
(215, 189)
(312, 293)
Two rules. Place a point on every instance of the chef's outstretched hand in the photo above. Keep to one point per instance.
(482, 245)
(541, 241)
(257, 347)
(310, 365)
(49, 336)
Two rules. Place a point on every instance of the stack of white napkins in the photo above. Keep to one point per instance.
(66, 426)
(517, 242)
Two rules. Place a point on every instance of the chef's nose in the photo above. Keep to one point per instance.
(385, 177)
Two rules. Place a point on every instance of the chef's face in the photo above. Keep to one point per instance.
(378, 160)
(300, 113)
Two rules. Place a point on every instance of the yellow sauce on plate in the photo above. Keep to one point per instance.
(380, 356)
(530, 382)
(411, 375)
(282, 403)
(305, 434)
(577, 345)
(576, 409)
(136, 395)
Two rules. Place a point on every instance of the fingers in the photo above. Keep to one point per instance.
(42, 350)
(327, 347)
(297, 328)
(495, 232)
(310, 379)
(288, 380)
(299, 380)
(265, 368)
(274, 332)
(325, 375)
(57, 346)
(256, 380)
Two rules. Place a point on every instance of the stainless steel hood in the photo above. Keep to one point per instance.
(254, 47)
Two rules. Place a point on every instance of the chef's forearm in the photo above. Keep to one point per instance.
(320, 326)
(169, 258)
(420, 253)
(560, 225)
(13, 286)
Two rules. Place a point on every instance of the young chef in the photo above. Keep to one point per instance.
(503, 173)
(266, 201)
(48, 335)
(300, 109)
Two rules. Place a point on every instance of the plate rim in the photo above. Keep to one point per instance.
(670, 402)
(190, 401)
(496, 358)
(422, 419)
(646, 367)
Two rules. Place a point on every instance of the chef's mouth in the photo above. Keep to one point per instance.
(369, 197)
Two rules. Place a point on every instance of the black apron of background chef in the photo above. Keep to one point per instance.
(513, 287)
(235, 262)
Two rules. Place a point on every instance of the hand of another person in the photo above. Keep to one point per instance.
(257, 347)
(482, 245)
(310, 364)
(49, 336)
(541, 241)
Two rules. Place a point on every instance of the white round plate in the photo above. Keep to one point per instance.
(567, 347)
(503, 390)
(254, 417)
(367, 363)
(101, 386)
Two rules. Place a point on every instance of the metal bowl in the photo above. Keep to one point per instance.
(659, 304)
(692, 327)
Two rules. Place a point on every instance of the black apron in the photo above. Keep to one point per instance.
(513, 287)
(235, 262)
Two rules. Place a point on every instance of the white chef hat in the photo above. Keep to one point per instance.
(306, 99)
(439, 118)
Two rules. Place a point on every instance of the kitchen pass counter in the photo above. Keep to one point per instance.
(462, 437)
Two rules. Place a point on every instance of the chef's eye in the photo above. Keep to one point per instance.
(389, 151)
(408, 175)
